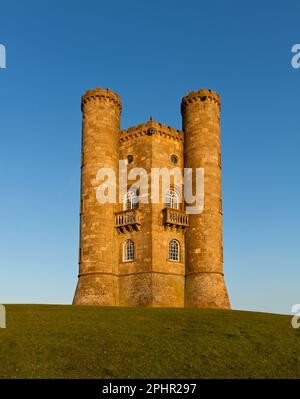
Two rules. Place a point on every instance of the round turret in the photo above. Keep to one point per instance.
(97, 283)
(205, 285)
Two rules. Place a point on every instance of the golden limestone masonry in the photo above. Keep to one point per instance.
(151, 254)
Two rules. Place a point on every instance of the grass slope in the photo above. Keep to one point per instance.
(45, 341)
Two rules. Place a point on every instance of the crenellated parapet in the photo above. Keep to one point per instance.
(100, 94)
(151, 128)
(200, 95)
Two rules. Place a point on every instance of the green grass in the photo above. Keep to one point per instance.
(45, 341)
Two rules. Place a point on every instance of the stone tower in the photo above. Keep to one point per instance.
(150, 254)
(97, 284)
(205, 286)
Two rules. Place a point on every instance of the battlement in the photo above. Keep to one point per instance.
(101, 94)
(200, 95)
(151, 128)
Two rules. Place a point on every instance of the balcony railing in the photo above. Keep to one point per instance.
(128, 220)
(175, 218)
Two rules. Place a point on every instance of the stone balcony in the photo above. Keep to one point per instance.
(174, 218)
(128, 220)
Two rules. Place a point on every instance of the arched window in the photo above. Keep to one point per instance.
(171, 199)
(130, 200)
(174, 251)
(128, 251)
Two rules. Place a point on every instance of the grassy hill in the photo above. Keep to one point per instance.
(45, 341)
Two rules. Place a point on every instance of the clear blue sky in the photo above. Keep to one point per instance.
(151, 53)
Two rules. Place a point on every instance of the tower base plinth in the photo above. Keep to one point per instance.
(206, 290)
(96, 289)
